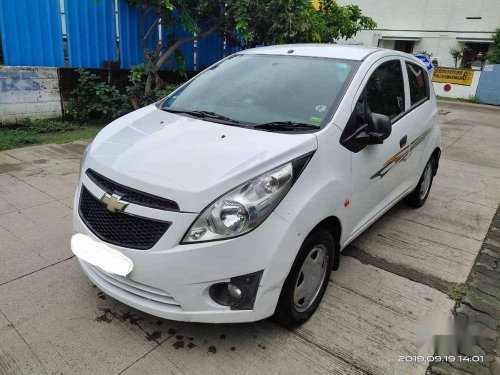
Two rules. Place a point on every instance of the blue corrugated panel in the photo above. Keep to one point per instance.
(186, 49)
(91, 32)
(209, 50)
(488, 89)
(129, 24)
(31, 32)
(231, 49)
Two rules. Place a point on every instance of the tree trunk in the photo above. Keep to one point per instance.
(182, 41)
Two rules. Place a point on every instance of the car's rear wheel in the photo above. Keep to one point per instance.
(419, 195)
(306, 284)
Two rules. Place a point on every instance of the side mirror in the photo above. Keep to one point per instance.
(378, 129)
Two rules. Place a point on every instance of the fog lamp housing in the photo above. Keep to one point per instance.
(239, 293)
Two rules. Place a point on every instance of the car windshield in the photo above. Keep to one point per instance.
(263, 89)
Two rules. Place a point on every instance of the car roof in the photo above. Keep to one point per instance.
(335, 51)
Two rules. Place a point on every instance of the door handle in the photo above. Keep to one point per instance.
(402, 141)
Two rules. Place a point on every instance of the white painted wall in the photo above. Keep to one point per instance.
(27, 92)
(437, 25)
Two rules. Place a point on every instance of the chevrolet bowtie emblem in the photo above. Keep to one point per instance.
(113, 203)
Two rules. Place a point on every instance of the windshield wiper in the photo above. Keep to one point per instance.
(186, 111)
(286, 126)
(204, 115)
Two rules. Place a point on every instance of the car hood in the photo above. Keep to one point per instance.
(187, 160)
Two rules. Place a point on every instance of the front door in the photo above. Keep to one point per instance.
(377, 170)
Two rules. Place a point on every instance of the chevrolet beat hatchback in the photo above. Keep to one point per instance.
(231, 199)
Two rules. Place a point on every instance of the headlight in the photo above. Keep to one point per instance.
(244, 208)
(82, 160)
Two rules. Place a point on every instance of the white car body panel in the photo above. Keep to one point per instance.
(193, 162)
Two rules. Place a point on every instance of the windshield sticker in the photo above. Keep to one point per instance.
(315, 119)
(341, 66)
(321, 108)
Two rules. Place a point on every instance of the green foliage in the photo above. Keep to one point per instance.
(137, 93)
(294, 21)
(457, 292)
(47, 126)
(472, 99)
(95, 99)
(426, 53)
(32, 132)
(493, 57)
(457, 54)
(245, 22)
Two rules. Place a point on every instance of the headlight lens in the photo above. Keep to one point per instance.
(247, 206)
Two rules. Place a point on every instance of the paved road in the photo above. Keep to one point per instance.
(391, 283)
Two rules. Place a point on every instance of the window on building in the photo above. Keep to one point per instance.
(419, 87)
(471, 52)
(385, 92)
(404, 45)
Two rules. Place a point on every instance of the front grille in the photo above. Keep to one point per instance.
(131, 195)
(119, 228)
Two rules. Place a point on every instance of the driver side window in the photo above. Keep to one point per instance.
(384, 91)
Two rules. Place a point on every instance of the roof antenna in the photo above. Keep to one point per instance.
(290, 51)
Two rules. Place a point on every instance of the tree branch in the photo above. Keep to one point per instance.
(182, 41)
(151, 28)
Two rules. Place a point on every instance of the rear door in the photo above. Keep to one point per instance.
(377, 173)
(420, 113)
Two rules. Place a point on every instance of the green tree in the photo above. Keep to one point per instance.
(457, 54)
(244, 22)
(494, 56)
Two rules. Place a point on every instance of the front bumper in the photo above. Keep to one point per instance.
(172, 281)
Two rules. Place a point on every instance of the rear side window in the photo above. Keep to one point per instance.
(419, 86)
(385, 92)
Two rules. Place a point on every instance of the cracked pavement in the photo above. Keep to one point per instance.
(393, 279)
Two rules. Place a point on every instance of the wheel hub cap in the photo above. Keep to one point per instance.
(311, 278)
(426, 183)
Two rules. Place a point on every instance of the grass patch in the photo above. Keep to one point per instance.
(33, 132)
(470, 99)
(457, 292)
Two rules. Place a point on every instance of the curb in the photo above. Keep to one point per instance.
(465, 105)
(480, 307)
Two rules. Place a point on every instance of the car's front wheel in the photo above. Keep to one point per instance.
(306, 284)
(418, 196)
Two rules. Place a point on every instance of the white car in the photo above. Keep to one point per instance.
(231, 199)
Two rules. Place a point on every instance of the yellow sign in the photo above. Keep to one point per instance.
(316, 4)
(457, 76)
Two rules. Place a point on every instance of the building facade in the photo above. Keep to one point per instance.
(431, 26)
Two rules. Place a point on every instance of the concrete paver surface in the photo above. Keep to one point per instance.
(392, 279)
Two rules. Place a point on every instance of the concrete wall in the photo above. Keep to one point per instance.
(28, 92)
(458, 91)
(435, 26)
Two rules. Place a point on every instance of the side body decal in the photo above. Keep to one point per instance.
(401, 156)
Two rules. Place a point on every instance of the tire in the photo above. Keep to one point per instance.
(292, 310)
(418, 196)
